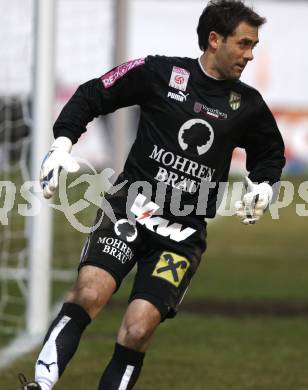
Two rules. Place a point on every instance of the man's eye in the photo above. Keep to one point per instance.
(244, 45)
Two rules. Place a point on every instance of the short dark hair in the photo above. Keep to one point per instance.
(223, 16)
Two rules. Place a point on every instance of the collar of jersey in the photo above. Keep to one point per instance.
(216, 85)
(205, 72)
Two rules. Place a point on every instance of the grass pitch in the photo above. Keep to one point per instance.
(195, 352)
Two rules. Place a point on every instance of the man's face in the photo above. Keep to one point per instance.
(235, 51)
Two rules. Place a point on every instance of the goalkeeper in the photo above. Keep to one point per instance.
(194, 112)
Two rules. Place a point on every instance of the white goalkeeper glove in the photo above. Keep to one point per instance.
(57, 158)
(256, 200)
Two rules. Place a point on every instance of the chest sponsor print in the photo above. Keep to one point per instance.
(196, 135)
(200, 108)
(177, 171)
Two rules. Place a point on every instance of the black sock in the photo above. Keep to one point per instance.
(123, 369)
(61, 342)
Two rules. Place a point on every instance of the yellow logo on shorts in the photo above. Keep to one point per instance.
(171, 267)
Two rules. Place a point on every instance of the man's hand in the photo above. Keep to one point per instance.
(256, 200)
(57, 158)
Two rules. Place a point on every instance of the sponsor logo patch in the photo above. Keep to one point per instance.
(111, 77)
(171, 267)
(116, 248)
(200, 108)
(126, 230)
(144, 211)
(179, 78)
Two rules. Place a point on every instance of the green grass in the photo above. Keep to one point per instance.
(195, 352)
(264, 262)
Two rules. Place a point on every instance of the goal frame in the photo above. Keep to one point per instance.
(40, 248)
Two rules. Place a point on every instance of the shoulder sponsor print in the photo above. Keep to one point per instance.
(111, 77)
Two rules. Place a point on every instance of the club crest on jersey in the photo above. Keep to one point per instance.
(235, 100)
(179, 78)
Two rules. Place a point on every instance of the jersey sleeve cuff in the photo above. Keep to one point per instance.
(65, 133)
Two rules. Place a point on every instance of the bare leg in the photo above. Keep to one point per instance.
(92, 290)
(138, 325)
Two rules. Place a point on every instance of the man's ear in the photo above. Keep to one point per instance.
(214, 39)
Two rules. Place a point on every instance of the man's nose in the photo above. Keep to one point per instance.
(248, 55)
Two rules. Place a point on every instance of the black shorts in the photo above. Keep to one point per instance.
(165, 265)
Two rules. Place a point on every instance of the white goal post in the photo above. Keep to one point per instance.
(38, 305)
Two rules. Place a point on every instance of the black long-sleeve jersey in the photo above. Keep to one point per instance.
(189, 125)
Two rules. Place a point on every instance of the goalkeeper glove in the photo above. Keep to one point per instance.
(57, 158)
(253, 204)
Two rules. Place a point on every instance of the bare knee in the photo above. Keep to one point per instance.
(92, 290)
(136, 335)
(87, 297)
(138, 325)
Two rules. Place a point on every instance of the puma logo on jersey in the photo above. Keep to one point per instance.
(180, 97)
(47, 365)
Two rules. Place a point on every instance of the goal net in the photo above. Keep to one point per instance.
(15, 123)
(83, 48)
(14, 152)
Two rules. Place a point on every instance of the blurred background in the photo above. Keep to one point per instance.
(244, 321)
